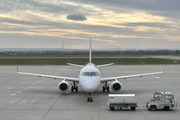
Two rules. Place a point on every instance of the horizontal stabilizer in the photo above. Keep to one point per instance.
(75, 65)
(98, 66)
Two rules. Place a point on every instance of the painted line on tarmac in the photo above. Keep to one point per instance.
(91, 102)
(27, 87)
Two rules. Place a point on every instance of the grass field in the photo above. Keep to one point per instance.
(82, 61)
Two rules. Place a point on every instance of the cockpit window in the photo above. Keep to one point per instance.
(93, 74)
(89, 74)
(86, 74)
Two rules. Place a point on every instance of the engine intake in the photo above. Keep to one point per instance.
(116, 86)
(63, 86)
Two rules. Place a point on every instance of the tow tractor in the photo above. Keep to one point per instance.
(162, 100)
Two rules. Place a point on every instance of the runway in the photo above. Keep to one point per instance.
(32, 98)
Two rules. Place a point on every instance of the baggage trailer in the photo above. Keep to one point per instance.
(162, 100)
(119, 101)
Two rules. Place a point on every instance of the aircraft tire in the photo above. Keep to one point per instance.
(76, 88)
(72, 89)
(103, 89)
(108, 89)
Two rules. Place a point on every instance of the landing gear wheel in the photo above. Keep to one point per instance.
(89, 99)
(103, 89)
(108, 89)
(153, 108)
(76, 88)
(72, 89)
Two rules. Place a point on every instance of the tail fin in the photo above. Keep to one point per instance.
(90, 61)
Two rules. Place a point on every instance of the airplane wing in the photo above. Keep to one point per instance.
(51, 76)
(128, 76)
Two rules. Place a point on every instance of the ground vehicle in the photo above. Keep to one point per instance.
(119, 101)
(162, 100)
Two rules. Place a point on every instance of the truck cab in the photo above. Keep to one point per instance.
(162, 100)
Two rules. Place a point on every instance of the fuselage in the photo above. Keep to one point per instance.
(89, 78)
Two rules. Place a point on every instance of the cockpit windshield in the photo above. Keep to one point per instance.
(86, 74)
(93, 74)
(90, 74)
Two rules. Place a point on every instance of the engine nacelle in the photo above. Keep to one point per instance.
(63, 86)
(116, 86)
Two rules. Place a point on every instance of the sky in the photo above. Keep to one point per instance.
(109, 23)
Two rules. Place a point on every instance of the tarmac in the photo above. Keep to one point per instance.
(32, 98)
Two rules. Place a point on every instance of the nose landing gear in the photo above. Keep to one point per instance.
(89, 98)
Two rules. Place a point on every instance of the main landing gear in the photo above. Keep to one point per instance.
(89, 98)
(105, 87)
(74, 87)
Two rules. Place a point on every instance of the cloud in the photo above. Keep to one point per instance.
(117, 22)
(76, 17)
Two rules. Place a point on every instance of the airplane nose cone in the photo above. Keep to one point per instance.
(89, 86)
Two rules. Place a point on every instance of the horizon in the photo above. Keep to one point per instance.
(71, 50)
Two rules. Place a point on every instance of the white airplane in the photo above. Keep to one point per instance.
(89, 78)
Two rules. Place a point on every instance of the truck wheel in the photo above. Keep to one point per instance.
(166, 108)
(133, 108)
(112, 108)
(153, 108)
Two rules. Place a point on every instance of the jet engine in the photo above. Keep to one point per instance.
(63, 86)
(116, 86)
